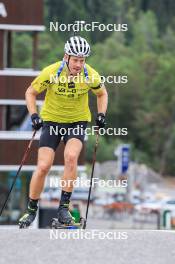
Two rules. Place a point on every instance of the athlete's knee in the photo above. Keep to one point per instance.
(43, 167)
(70, 159)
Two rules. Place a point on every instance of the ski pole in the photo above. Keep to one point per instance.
(22, 163)
(92, 174)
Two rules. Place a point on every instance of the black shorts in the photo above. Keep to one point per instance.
(53, 132)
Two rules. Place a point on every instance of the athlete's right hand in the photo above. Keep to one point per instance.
(37, 122)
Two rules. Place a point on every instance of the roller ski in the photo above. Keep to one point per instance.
(27, 219)
(65, 220)
(57, 225)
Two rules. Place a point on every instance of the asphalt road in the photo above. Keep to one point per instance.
(60, 246)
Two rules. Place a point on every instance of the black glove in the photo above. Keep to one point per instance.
(100, 120)
(37, 122)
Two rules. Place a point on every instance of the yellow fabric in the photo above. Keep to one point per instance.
(65, 104)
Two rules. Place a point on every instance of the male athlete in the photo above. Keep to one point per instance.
(65, 106)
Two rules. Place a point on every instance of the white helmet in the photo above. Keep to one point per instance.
(77, 46)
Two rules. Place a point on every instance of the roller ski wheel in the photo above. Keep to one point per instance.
(55, 224)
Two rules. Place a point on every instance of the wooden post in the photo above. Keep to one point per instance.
(34, 55)
(9, 49)
(1, 49)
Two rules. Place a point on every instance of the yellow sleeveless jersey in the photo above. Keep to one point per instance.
(66, 100)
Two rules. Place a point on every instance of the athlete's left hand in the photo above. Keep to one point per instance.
(100, 120)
